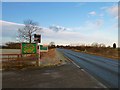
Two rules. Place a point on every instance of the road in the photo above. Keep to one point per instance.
(63, 76)
(103, 69)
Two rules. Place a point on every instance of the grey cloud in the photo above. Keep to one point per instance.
(9, 30)
(57, 28)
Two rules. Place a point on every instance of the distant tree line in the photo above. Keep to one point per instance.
(84, 47)
(11, 45)
(14, 45)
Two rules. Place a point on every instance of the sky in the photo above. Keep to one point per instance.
(77, 22)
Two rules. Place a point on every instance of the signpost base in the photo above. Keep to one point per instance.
(38, 61)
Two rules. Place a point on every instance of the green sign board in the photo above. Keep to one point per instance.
(29, 48)
(43, 48)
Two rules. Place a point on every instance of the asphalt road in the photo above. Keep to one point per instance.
(103, 69)
(64, 76)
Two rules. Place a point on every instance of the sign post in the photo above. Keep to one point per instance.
(28, 48)
(37, 39)
(39, 55)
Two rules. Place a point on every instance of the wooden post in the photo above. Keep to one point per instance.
(38, 55)
(21, 49)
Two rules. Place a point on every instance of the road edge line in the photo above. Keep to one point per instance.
(85, 71)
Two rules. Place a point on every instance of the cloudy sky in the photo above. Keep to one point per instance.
(63, 22)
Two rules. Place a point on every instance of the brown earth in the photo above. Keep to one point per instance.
(105, 52)
(50, 58)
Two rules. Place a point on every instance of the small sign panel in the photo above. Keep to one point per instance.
(43, 48)
(37, 38)
(29, 48)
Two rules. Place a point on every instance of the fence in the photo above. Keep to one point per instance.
(18, 60)
(10, 56)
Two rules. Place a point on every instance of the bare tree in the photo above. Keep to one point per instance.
(52, 44)
(95, 44)
(28, 30)
(102, 45)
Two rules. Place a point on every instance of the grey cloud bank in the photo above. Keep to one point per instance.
(60, 36)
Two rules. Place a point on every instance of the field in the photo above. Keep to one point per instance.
(10, 51)
(105, 52)
(50, 58)
(100, 51)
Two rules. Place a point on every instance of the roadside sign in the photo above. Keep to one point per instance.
(37, 38)
(43, 48)
(29, 48)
